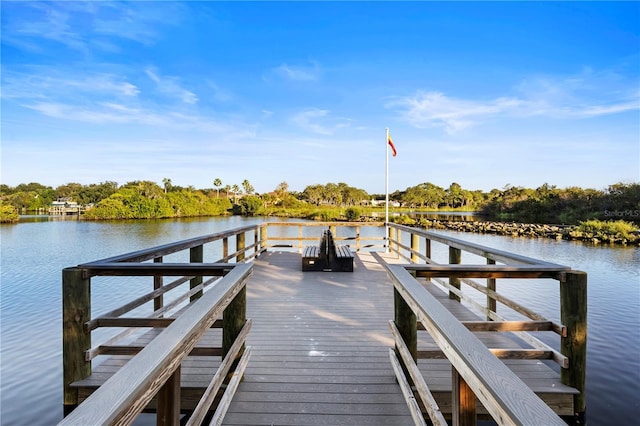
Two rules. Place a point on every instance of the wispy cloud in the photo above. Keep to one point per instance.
(298, 72)
(129, 21)
(49, 83)
(434, 109)
(171, 86)
(105, 98)
(581, 96)
(219, 94)
(319, 121)
(86, 26)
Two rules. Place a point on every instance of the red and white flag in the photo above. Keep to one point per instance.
(393, 147)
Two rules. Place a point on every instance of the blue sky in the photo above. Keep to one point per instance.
(482, 94)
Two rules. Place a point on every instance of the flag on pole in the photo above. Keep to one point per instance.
(393, 147)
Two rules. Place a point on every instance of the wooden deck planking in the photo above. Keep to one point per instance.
(320, 342)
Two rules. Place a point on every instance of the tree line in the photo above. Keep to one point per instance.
(146, 199)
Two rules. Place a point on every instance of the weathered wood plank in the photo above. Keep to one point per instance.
(134, 385)
(486, 271)
(500, 391)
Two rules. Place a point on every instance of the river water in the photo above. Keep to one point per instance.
(34, 252)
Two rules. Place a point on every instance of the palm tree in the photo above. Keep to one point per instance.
(248, 188)
(167, 184)
(217, 183)
(235, 188)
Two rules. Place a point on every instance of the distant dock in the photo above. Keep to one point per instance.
(65, 207)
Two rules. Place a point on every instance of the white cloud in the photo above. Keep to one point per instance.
(49, 83)
(574, 97)
(319, 121)
(171, 86)
(298, 72)
(434, 109)
(219, 94)
(87, 26)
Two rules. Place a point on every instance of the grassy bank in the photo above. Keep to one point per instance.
(616, 232)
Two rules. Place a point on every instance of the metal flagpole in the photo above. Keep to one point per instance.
(386, 199)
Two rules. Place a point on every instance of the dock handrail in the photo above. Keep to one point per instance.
(350, 234)
(155, 370)
(572, 328)
(78, 322)
(503, 394)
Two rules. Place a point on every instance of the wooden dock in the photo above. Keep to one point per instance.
(319, 345)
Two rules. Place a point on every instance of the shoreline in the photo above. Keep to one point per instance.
(529, 230)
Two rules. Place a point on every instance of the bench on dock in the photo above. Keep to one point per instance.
(340, 257)
(327, 256)
(315, 258)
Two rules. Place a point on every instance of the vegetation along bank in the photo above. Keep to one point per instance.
(611, 215)
(592, 231)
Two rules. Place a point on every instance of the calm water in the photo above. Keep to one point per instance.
(34, 253)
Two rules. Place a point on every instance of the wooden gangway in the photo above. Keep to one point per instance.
(317, 344)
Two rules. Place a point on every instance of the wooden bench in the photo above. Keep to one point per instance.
(314, 258)
(340, 257)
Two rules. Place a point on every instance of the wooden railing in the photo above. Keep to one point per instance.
(218, 287)
(477, 370)
(296, 235)
(154, 369)
(190, 313)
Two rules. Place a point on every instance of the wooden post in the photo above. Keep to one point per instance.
(491, 285)
(427, 248)
(225, 248)
(300, 242)
(233, 319)
(415, 248)
(455, 256)
(256, 249)
(239, 246)
(391, 238)
(398, 241)
(158, 301)
(407, 325)
(264, 237)
(357, 239)
(195, 256)
(168, 401)
(463, 411)
(573, 314)
(76, 310)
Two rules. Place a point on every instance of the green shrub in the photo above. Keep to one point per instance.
(618, 228)
(8, 214)
(402, 220)
(353, 214)
(250, 206)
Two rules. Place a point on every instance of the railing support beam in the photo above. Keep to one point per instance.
(234, 318)
(491, 285)
(464, 401)
(455, 255)
(158, 301)
(76, 311)
(391, 238)
(415, 248)
(196, 256)
(573, 314)
(406, 323)
(240, 244)
(168, 410)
